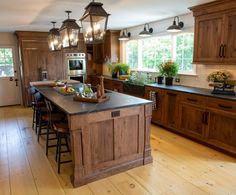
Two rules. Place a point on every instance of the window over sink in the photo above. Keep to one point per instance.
(145, 54)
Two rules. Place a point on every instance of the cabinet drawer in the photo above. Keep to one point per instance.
(193, 99)
(221, 104)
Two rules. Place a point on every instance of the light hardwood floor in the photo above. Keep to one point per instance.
(180, 166)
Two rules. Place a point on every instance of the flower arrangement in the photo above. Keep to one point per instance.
(219, 76)
(168, 68)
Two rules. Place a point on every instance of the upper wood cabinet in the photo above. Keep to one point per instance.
(112, 46)
(215, 28)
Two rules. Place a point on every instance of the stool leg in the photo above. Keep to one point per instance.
(33, 122)
(39, 127)
(47, 138)
(59, 154)
(57, 146)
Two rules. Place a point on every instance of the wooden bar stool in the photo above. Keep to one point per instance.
(52, 116)
(31, 92)
(62, 132)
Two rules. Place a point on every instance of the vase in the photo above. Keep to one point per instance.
(169, 80)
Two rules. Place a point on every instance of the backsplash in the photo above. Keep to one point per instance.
(200, 80)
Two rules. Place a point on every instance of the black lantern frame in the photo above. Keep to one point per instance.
(69, 32)
(94, 23)
(54, 38)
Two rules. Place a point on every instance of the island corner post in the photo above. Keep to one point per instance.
(108, 142)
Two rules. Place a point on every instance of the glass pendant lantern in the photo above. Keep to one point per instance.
(69, 32)
(54, 39)
(94, 23)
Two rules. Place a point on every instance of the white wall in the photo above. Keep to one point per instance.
(199, 80)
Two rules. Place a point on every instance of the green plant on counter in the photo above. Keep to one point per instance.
(121, 68)
(168, 68)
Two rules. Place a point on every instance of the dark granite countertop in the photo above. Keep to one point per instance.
(193, 90)
(66, 103)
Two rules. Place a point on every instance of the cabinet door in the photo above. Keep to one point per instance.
(192, 120)
(208, 38)
(157, 98)
(117, 86)
(222, 130)
(230, 38)
(108, 84)
(171, 108)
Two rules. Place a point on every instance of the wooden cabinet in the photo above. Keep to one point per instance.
(206, 119)
(112, 46)
(35, 56)
(171, 107)
(117, 86)
(94, 59)
(215, 28)
(193, 115)
(108, 83)
(98, 54)
(157, 97)
(222, 124)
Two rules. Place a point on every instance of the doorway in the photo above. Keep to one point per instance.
(9, 81)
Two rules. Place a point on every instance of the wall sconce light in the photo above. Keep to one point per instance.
(94, 22)
(54, 39)
(69, 32)
(125, 35)
(176, 27)
(146, 31)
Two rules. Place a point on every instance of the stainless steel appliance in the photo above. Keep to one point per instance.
(76, 63)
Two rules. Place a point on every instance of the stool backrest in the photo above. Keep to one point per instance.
(49, 108)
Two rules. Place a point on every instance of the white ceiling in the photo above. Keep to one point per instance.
(37, 14)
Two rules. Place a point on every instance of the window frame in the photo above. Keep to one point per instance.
(173, 36)
(13, 59)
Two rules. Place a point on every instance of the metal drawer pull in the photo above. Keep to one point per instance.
(225, 107)
(221, 51)
(191, 100)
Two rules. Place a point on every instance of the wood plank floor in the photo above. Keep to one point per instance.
(180, 166)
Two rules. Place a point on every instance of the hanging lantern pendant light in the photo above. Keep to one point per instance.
(54, 39)
(69, 32)
(94, 22)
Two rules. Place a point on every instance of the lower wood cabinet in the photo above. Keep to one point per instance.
(207, 119)
(157, 97)
(222, 130)
(171, 108)
(192, 120)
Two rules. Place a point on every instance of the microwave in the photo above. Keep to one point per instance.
(76, 63)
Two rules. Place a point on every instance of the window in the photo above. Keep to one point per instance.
(147, 54)
(6, 62)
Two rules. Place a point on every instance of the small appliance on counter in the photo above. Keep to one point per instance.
(44, 75)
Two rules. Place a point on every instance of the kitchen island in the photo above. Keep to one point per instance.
(106, 138)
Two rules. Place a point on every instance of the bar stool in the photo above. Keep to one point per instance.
(53, 115)
(62, 132)
(31, 92)
(41, 110)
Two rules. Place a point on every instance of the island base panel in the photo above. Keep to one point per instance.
(109, 142)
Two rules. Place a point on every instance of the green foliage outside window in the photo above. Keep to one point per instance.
(6, 62)
(148, 53)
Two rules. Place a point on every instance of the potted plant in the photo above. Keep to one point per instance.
(117, 69)
(169, 69)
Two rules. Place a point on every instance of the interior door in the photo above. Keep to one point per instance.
(9, 83)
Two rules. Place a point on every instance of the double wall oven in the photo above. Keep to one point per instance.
(76, 63)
